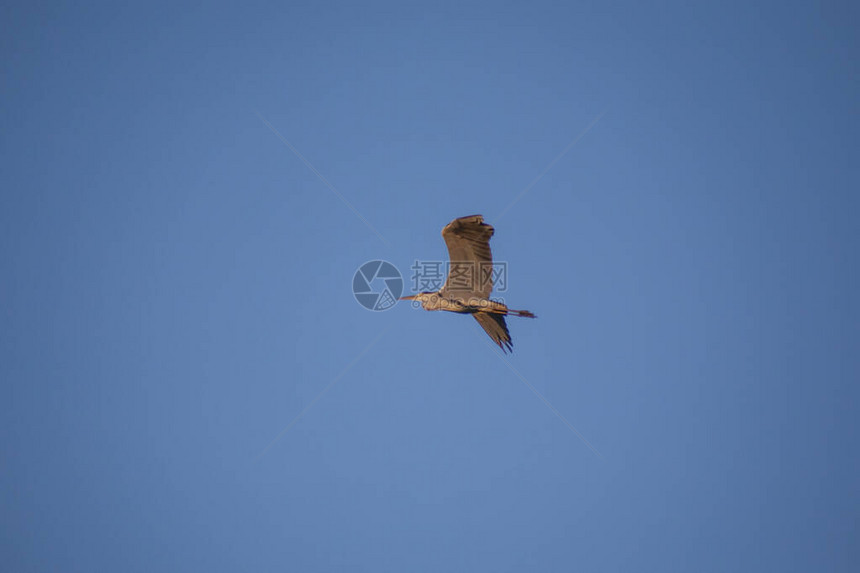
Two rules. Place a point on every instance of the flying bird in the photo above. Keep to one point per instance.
(470, 280)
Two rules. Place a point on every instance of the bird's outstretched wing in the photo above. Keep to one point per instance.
(494, 324)
(471, 271)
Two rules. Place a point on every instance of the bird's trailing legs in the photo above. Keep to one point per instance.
(494, 307)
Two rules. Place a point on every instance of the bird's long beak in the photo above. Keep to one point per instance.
(410, 297)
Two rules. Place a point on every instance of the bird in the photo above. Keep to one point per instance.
(469, 282)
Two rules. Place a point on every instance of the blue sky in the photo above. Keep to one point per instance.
(175, 287)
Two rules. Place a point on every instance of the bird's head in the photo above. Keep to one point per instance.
(421, 297)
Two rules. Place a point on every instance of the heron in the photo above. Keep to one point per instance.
(469, 282)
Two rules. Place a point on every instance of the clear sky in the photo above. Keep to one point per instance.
(175, 287)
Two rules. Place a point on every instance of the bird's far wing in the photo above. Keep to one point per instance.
(471, 270)
(496, 327)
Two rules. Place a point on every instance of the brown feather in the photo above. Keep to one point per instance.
(468, 241)
(494, 324)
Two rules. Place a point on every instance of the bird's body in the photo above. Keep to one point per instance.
(470, 280)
